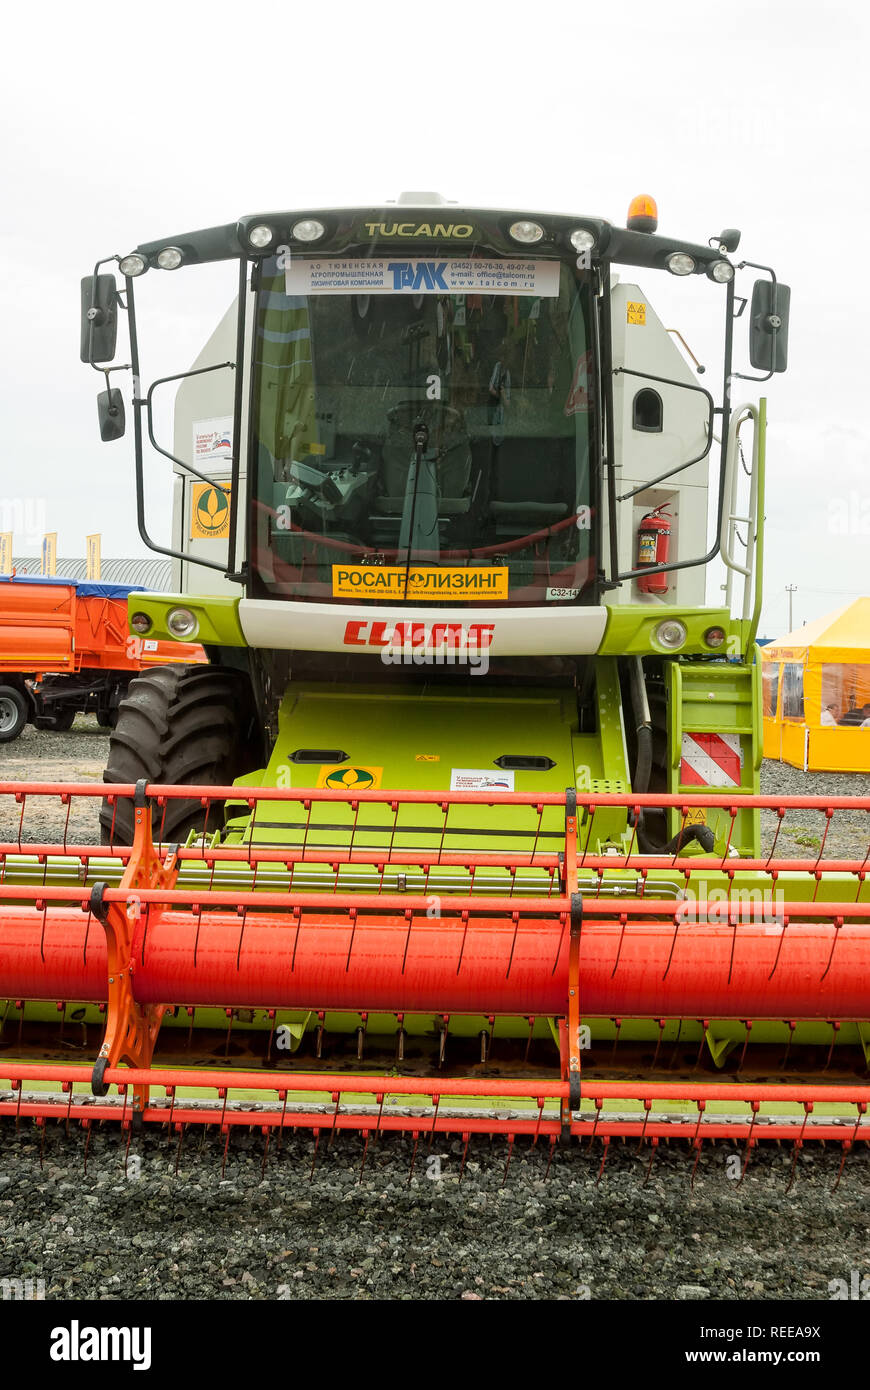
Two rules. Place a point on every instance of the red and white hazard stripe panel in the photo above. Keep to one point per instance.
(711, 760)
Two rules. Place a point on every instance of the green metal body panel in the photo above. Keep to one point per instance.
(417, 738)
(631, 628)
(217, 617)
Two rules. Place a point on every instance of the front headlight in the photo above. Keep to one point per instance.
(671, 634)
(181, 622)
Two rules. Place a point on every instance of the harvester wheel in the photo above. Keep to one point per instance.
(178, 725)
(13, 713)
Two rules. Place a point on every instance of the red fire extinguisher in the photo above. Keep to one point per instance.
(653, 544)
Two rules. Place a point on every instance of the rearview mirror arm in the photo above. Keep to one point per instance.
(768, 270)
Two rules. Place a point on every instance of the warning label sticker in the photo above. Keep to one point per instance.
(389, 581)
(635, 311)
(476, 779)
(711, 760)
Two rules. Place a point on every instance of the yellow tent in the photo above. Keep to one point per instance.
(816, 685)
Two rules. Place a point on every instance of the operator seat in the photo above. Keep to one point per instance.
(532, 480)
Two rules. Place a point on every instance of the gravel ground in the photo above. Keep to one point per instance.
(195, 1236)
(256, 1235)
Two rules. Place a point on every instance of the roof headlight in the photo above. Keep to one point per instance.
(680, 263)
(309, 229)
(132, 265)
(260, 236)
(526, 232)
(721, 272)
(169, 258)
(582, 240)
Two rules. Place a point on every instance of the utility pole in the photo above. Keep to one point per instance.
(790, 589)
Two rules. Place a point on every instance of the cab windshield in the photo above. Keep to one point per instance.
(424, 446)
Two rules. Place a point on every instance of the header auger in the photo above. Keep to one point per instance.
(459, 830)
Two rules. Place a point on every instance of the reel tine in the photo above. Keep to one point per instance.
(267, 1134)
(550, 1156)
(697, 1145)
(510, 1139)
(662, 1023)
(750, 1142)
(747, 1024)
(314, 1155)
(747, 1154)
(653, 1144)
(647, 1107)
(531, 1021)
(365, 1135)
(847, 1147)
(606, 1143)
(835, 1028)
(416, 1136)
(466, 1136)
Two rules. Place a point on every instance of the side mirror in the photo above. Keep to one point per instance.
(99, 318)
(768, 326)
(110, 409)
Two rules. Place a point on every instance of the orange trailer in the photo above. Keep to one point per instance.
(65, 648)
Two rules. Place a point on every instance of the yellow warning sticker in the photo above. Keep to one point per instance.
(350, 779)
(209, 512)
(427, 758)
(635, 311)
(695, 816)
(426, 582)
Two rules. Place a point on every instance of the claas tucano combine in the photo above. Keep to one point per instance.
(458, 832)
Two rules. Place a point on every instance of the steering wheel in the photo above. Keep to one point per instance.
(406, 414)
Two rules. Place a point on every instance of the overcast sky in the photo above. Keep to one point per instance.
(123, 125)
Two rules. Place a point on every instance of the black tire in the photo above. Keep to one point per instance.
(59, 721)
(179, 725)
(107, 718)
(13, 713)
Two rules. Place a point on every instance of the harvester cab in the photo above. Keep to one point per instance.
(428, 444)
(467, 798)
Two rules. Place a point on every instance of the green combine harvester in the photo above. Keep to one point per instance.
(459, 829)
